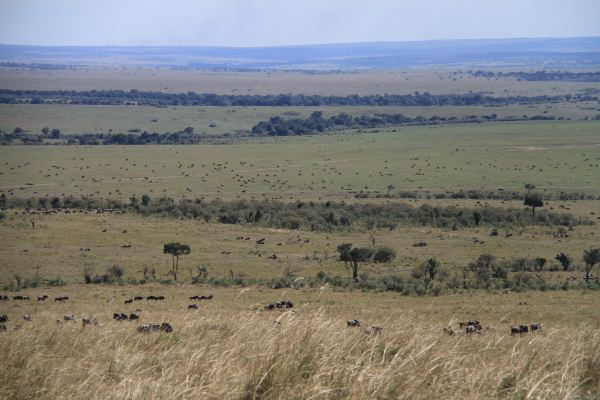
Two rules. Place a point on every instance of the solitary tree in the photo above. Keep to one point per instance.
(564, 260)
(176, 250)
(432, 266)
(389, 189)
(591, 258)
(533, 200)
(352, 256)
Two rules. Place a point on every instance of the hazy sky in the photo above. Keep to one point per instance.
(282, 22)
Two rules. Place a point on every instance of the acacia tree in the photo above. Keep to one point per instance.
(352, 256)
(533, 200)
(591, 258)
(176, 250)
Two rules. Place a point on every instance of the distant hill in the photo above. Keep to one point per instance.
(550, 52)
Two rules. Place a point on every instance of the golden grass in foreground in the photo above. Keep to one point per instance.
(232, 348)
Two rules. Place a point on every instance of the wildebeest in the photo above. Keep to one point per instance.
(270, 306)
(43, 297)
(261, 241)
(535, 327)
(120, 316)
(136, 298)
(284, 304)
(3, 318)
(128, 301)
(133, 317)
(209, 297)
(61, 298)
(27, 317)
(449, 331)
(192, 307)
(3, 298)
(19, 297)
(519, 329)
(352, 323)
(420, 244)
(155, 298)
(162, 327)
(471, 326)
(69, 317)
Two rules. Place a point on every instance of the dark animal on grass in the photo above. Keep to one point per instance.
(3, 298)
(352, 323)
(19, 297)
(129, 301)
(61, 298)
(120, 317)
(471, 326)
(136, 298)
(42, 298)
(163, 327)
(270, 307)
(192, 307)
(133, 317)
(27, 317)
(535, 327)
(69, 317)
(519, 330)
(3, 318)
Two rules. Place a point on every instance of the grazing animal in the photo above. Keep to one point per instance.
(352, 323)
(19, 297)
(69, 317)
(261, 241)
(192, 307)
(120, 317)
(61, 298)
(374, 330)
(449, 331)
(27, 317)
(42, 297)
(136, 298)
(3, 298)
(535, 327)
(272, 257)
(129, 301)
(471, 326)
(133, 317)
(151, 298)
(163, 327)
(270, 307)
(3, 318)
(519, 329)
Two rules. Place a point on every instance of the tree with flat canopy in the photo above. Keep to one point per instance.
(352, 256)
(532, 199)
(591, 257)
(176, 250)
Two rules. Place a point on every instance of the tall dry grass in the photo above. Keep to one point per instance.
(292, 355)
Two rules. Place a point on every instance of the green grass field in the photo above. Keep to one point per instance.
(554, 156)
(72, 119)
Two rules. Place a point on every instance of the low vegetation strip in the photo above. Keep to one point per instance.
(136, 97)
(316, 216)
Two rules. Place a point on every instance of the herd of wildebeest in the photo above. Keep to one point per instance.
(468, 327)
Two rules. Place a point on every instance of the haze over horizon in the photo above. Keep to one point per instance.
(252, 23)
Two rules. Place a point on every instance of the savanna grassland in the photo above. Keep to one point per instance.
(231, 346)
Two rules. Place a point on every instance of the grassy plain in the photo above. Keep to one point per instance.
(232, 348)
(436, 81)
(72, 119)
(553, 155)
(55, 248)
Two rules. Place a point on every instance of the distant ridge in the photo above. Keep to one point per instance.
(547, 52)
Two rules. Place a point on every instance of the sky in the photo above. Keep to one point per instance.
(251, 23)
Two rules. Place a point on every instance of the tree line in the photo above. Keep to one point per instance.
(148, 98)
(592, 76)
(315, 216)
